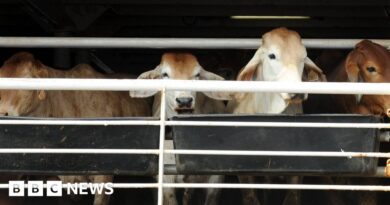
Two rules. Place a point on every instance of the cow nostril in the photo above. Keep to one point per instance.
(184, 102)
(6, 114)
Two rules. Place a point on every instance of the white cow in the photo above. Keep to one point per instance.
(282, 58)
(183, 66)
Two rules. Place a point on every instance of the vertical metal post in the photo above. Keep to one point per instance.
(160, 196)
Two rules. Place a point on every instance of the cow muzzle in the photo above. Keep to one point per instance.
(184, 105)
(388, 112)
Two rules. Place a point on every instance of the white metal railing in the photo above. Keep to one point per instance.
(231, 86)
(243, 186)
(198, 85)
(161, 149)
(195, 123)
(163, 85)
(191, 43)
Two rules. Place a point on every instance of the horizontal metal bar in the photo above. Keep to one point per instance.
(279, 124)
(340, 43)
(280, 153)
(195, 152)
(194, 43)
(194, 123)
(115, 185)
(134, 185)
(281, 186)
(76, 151)
(245, 186)
(78, 122)
(198, 85)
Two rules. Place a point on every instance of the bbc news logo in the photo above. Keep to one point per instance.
(56, 188)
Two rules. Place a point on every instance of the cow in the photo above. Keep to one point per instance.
(184, 66)
(370, 63)
(282, 57)
(367, 62)
(65, 104)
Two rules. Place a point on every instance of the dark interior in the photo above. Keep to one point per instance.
(179, 19)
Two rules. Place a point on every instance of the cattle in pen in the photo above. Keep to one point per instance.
(368, 62)
(65, 104)
(184, 66)
(281, 58)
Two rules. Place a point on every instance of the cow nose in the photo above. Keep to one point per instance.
(184, 102)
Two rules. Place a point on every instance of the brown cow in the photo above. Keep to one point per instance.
(184, 66)
(65, 104)
(368, 62)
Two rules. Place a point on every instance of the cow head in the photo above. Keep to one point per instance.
(179, 66)
(282, 57)
(21, 102)
(370, 62)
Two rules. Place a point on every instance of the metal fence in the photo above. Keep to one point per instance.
(167, 85)
(191, 43)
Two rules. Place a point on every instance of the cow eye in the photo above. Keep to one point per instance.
(165, 75)
(271, 56)
(371, 69)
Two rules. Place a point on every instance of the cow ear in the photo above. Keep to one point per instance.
(206, 75)
(352, 70)
(152, 74)
(352, 66)
(312, 73)
(249, 71)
